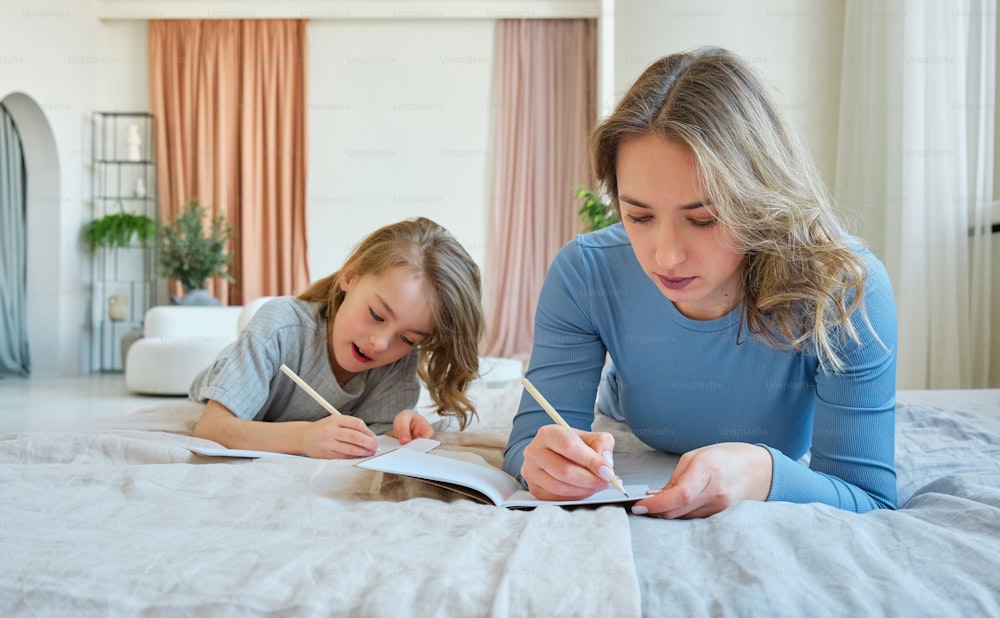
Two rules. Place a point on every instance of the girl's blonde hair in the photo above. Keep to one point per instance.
(802, 279)
(449, 357)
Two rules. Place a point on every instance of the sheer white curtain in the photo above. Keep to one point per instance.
(915, 160)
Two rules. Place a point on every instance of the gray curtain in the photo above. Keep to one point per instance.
(14, 357)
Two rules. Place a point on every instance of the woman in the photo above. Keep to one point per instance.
(745, 328)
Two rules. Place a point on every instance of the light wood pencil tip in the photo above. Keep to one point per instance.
(617, 484)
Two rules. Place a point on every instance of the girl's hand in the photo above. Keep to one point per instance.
(711, 479)
(558, 466)
(408, 425)
(338, 437)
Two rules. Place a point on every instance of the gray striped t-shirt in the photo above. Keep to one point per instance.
(245, 377)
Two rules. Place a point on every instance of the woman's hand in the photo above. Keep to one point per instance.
(338, 437)
(558, 466)
(711, 479)
(408, 425)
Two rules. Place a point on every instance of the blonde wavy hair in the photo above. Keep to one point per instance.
(801, 278)
(449, 357)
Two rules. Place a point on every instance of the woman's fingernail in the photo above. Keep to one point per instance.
(609, 458)
(605, 473)
(639, 510)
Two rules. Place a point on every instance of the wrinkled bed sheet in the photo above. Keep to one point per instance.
(120, 519)
(938, 555)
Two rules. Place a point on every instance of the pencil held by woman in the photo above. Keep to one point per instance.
(605, 472)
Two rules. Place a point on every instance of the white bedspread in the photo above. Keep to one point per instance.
(120, 519)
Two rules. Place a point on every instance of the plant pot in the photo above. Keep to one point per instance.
(118, 307)
(195, 297)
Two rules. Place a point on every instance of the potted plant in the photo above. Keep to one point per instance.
(193, 254)
(113, 231)
(118, 230)
(594, 212)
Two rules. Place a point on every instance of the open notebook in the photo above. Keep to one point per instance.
(481, 482)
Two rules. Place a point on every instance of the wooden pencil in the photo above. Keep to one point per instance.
(309, 390)
(616, 482)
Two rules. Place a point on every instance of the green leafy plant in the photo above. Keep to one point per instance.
(190, 253)
(119, 229)
(594, 213)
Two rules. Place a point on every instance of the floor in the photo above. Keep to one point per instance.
(41, 404)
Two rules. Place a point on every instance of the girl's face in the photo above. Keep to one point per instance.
(670, 222)
(381, 319)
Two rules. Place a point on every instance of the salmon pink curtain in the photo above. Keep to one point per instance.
(229, 99)
(545, 93)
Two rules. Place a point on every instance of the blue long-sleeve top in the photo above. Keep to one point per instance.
(687, 383)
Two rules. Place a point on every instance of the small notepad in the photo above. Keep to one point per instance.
(385, 444)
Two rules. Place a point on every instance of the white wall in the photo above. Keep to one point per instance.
(795, 44)
(399, 124)
(52, 55)
(123, 85)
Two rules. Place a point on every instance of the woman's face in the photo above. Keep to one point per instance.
(380, 320)
(669, 220)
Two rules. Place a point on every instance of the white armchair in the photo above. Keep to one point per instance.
(178, 342)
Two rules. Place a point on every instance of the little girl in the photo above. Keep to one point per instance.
(407, 302)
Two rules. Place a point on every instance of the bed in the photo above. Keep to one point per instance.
(120, 518)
